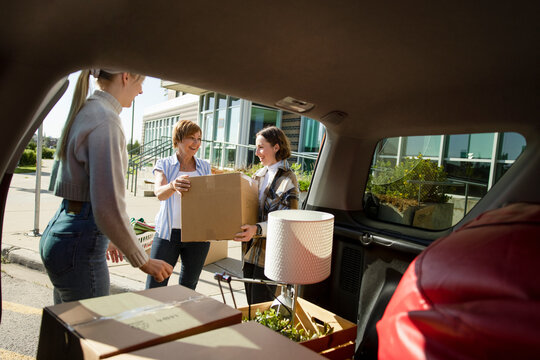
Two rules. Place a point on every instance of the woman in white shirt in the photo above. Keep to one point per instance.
(171, 180)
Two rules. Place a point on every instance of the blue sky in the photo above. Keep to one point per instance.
(152, 94)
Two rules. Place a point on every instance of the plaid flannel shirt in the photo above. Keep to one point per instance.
(281, 194)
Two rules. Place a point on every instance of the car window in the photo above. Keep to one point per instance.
(432, 182)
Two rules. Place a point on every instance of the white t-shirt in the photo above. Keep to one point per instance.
(177, 203)
(268, 178)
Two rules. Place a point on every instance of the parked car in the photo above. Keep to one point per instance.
(391, 81)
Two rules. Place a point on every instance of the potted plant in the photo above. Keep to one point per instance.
(410, 193)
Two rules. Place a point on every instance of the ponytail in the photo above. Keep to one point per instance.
(79, 98)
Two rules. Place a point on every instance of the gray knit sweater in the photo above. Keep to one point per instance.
(94, 170)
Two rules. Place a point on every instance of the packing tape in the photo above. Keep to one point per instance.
(138, 311)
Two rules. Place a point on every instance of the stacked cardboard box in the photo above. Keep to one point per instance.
(102, 327)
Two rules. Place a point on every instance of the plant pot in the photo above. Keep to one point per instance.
(390, 213)
(434, 216)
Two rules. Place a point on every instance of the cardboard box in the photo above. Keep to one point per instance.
(242, 341)
(218, 250)
(216, 206)
(340, 344)
(102, 327)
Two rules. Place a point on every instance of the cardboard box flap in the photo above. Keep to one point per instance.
(242, 341)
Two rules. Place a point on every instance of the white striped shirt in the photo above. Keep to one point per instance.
(170, 167)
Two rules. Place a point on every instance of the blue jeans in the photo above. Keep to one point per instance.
(73, 251)
(192, 256)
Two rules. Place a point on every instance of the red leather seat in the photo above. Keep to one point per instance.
(474, 294)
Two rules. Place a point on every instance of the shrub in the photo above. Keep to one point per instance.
(303, 177)
(31, 145)
(47, 153)
(393, 184)
(28, 157)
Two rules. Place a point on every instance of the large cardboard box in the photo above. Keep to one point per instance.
(102, 327)
(216, 206)
(340, 344)
(242, 341)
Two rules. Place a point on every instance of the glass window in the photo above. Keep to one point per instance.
(209, 101)
(234, 125)
(511, 145)
(389, 146)
(220, 125)
(234, 101)
(481, 146)
(312, 133)
(417, 192)
(221, 101)
(470, 146)
(425, 145)
(261, 118)
(458, 146)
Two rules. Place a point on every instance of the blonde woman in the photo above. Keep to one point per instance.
(171, 180)
(90, 176)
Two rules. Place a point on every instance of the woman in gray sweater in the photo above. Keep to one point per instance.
(90, 176)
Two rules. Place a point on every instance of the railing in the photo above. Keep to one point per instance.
(212, 151)
(139, 156)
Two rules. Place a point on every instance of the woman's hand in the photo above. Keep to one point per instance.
(248, 231)
(158, 269)
(113, 254)
(180, 184)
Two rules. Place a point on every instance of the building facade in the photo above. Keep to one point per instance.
(229, 125)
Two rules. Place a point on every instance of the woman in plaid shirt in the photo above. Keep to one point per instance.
(278, 190)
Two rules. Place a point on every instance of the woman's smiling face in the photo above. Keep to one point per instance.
(190, 144)
(265, 151)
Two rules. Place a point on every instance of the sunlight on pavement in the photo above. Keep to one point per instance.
(21, 309)
(10, 355)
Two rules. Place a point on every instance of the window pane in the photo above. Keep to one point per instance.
(425, 145)
(261, 118)
(481, 146)
(220, 126)
(234, 101)
(209, 101)
(458, 146)
(389, 146)
(511, 145)
(312, 135)
(234, 125)
(222, 101)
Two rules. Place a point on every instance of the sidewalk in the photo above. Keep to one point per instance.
(21, 247)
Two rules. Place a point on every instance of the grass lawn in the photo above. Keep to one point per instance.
(25, 169)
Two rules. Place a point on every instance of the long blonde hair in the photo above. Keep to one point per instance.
(79, 98)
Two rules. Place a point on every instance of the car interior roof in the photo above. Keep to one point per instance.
(393, 69)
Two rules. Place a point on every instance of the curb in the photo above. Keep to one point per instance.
(32, 260)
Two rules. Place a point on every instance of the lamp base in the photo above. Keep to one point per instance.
(284, 302)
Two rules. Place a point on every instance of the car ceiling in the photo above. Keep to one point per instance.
(394, 68)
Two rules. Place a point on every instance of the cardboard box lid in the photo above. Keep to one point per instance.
(242, 341)
(216, 206)
(113, 324)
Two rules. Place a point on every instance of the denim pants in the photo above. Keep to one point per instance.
(73, 251)
(192, 256)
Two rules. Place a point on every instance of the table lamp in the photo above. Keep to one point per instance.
(298, 249)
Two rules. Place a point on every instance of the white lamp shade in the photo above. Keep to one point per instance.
(299, 246)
